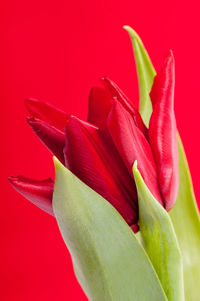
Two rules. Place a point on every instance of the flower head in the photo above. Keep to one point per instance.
(101, 151)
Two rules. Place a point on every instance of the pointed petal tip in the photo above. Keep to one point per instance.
(20, 178)
(170, 54)
(75, 121)
(110, 85)
(168, 59)
(31, 104)
(30, 119)
(117, 107)
(34, 123)
(14, 180)
(37, 192)
(46, 112)
(105, 79)
(72, 120)
(50, 136)
(30, 100)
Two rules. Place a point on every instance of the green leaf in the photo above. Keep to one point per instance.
(184, 215)
(146, 73)
(160, 240)
(109, 262)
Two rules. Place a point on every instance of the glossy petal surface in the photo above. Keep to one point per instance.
(126, 103)
(46, 112)
(100, 103)
(37, 192)
(52, 137)
(92, 157)
(132, 145)
(163, 132)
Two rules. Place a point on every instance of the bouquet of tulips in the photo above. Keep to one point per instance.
(122, 195)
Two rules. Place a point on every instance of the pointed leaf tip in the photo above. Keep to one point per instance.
(184, 214)
(57, 163)
(135, 166)
(145, 71)
(132, 32)
(104, 250)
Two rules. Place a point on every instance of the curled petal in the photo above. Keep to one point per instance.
(132, 145)
(163, 132)
(92, 157)
(47, 113)
(52, 137)
(126, 103)
(37, 192)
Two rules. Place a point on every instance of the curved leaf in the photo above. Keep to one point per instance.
(184, 215)
(185, 218)
(160, 240)
(109, 262)
(146, 73)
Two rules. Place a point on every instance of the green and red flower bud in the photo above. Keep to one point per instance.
(101, 151)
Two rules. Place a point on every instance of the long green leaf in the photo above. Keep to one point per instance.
(109, 262)
(160, 240)
(146, 73)
(185, 218)
(184, 215)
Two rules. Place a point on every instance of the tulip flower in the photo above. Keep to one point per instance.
(101, 151)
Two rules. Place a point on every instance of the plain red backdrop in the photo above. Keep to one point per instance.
(55, 51)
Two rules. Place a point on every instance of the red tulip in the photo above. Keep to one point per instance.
(101, 151)
(162, 132)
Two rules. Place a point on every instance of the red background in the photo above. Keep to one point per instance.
(55, 51)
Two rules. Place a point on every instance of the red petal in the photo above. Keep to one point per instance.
(53, 138)
(132, 145)
(47, 112)
(100, 102)
(163, 133)
(92, 157)
(135, 228)
(127, 104)
(117, 92)
(37, 192)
